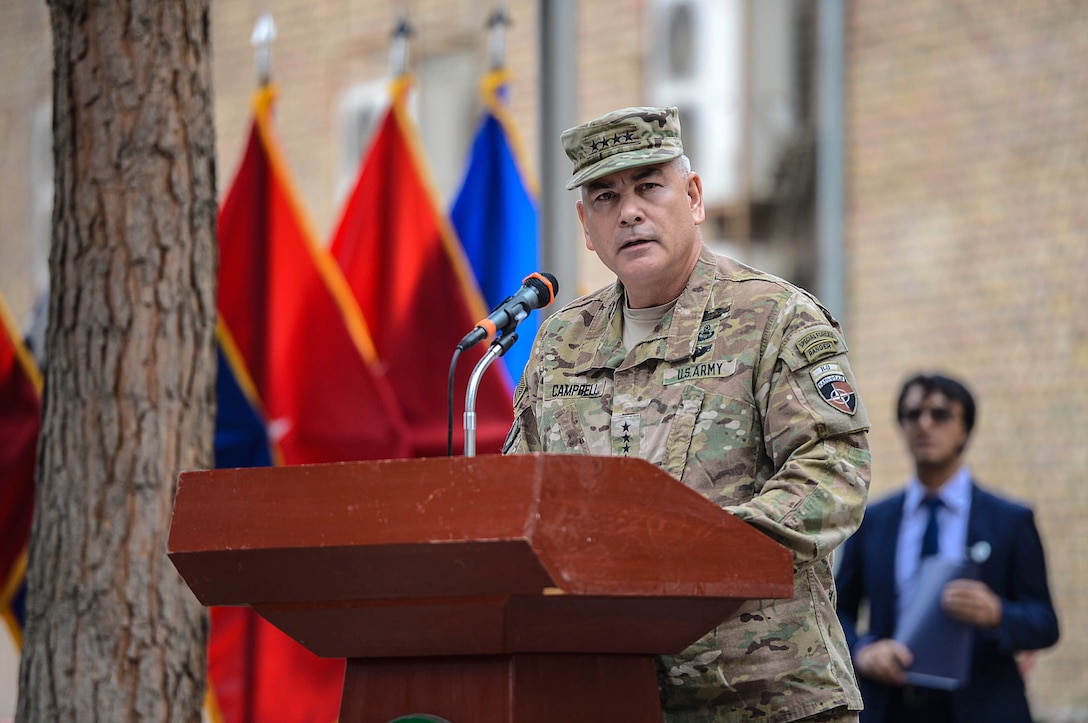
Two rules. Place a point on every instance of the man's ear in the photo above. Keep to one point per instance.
(582, 218)
(695, 196)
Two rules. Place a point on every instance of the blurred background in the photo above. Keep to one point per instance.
(920, 166)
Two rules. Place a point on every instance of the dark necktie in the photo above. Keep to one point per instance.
(930, 537)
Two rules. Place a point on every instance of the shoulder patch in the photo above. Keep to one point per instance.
(817, 344)
(835, 388)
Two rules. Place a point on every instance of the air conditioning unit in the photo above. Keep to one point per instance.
(695, 61)
(729, 66)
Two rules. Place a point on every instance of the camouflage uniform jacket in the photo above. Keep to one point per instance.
(743, 392)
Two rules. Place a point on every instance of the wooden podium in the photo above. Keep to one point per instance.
(522, 589)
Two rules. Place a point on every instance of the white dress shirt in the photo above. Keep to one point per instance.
(952, 517)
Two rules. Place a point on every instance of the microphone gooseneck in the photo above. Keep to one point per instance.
(537, 291)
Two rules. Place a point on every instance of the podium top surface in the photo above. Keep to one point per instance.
(452, 527)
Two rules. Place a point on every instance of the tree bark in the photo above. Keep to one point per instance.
(112, 633)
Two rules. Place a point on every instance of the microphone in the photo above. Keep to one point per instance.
(537, 291)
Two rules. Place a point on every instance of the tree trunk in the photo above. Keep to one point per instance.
(112, 633)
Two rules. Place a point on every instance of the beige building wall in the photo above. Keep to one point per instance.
(966, 135)
(967, 225)
(26, 66)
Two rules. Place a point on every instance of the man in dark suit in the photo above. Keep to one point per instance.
(1007, 608)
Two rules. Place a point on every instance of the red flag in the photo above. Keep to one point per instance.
(20, 422)
(313, 368)
(290, 312)
(408, 272)
(258, 673)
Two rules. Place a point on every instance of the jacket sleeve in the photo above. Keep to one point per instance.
(1028, 621)
(815, 436)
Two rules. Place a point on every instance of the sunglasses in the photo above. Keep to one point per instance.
(940, 415)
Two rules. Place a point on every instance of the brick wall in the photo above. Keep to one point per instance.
(967, 133)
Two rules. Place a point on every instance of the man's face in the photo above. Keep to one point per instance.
(643, 225)
(933, 427)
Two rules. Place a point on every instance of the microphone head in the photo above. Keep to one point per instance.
(552, 282)
(545, 285)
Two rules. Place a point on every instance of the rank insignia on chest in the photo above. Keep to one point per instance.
(835, 388)
(626, 435)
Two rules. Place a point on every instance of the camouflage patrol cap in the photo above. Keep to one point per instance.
(625, 138)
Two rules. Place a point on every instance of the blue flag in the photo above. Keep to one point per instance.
(241, 439)
(495, 214)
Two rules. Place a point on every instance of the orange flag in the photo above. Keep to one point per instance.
(312, 368)
(408, 272)
(20, 422)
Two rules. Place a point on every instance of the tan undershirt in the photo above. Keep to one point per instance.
(638, 323)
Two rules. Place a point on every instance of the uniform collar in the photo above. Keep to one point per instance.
(677, 337)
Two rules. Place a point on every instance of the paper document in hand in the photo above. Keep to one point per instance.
(941, 645)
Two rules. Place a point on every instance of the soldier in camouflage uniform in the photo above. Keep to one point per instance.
(729, 379)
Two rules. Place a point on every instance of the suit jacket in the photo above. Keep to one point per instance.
(1015, 570)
